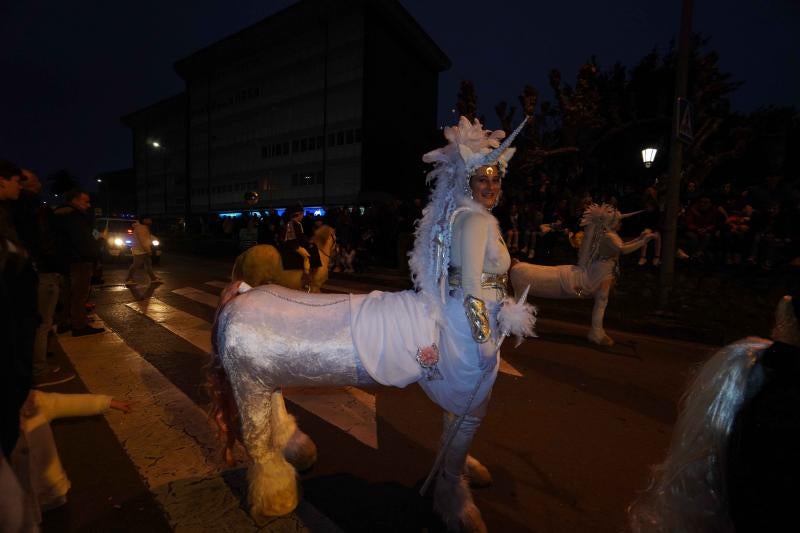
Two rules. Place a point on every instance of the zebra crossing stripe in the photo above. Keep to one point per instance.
(198, 296)
(167, 436)
(350, 409)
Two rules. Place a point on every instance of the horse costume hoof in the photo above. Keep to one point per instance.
(300, 451)
(600, 338)
(273, 488)
(452, 501)
(477, 475)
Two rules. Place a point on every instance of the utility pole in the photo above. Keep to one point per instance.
(675, 160)
(325, 52)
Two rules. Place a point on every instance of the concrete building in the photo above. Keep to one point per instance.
(326, 102)
(159, 156)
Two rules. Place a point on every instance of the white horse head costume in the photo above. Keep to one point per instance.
(270, 337)
(594, 275)
(732, 463)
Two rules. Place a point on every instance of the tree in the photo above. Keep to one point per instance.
(467, 103)
(61, 181)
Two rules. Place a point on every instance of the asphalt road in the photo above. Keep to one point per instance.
(569, 438)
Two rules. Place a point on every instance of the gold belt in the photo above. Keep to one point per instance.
(489, 280)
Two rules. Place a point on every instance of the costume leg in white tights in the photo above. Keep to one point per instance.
(597, 334)
(452, 498)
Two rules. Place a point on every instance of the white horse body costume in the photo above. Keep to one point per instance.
(269, 337)
(595, 272)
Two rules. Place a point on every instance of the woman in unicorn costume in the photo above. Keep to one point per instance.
(595, 273)
(445, 335)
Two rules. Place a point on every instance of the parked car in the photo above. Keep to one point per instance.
(115, 236)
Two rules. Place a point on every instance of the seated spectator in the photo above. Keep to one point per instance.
(772, 236)
(511, 225)
(531, 221)
(702, 227)
(248, 235)
(650, 219)
(737, 235)
(345, 259)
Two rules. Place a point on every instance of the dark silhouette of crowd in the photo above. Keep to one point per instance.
(720, 225)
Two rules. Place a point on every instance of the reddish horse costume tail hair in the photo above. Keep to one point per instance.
(224, 411)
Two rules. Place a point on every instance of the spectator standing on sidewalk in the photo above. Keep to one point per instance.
(142, 251)
(248, 235)
(18, 315)
(32, 220)
(77, 252)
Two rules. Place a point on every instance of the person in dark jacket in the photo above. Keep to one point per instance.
(32, 220)
(18, 321)
(18, 315)
(77, 250)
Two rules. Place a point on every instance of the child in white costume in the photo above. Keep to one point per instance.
(35, 457)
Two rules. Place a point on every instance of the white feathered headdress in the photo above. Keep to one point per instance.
(469, 147)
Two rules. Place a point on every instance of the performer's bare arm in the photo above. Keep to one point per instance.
(616, 243)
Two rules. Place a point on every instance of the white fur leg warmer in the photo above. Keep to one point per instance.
(452, 501)
(517, 318)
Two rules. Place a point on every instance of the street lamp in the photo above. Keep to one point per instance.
(158, 147)
(108, 199)
(649, 155)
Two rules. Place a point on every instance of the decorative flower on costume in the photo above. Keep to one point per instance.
(428, 358)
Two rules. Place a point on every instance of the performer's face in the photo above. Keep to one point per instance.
(485, 185)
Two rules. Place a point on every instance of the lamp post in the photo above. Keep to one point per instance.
(108, 200)
(648, 156)
(669, 244)
(157, 146)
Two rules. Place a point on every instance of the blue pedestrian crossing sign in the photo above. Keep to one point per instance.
(684, 116)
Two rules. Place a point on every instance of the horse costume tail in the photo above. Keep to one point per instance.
(224, 411)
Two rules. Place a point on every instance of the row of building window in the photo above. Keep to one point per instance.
(309, 144)
(223, 189)
(306, 179)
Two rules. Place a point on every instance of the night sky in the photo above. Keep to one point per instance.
(69, 70)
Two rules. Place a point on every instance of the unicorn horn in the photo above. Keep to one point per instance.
(494, 155)
(626, 215)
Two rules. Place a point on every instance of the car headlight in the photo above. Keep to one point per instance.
(155, 242)
(118, 242)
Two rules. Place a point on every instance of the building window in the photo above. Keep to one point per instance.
(295, 146)
(331, 139)
(339, 138)
(358, 135)
(349, 135)
(303, 145)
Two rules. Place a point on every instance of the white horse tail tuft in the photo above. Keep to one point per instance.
(223, 404)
